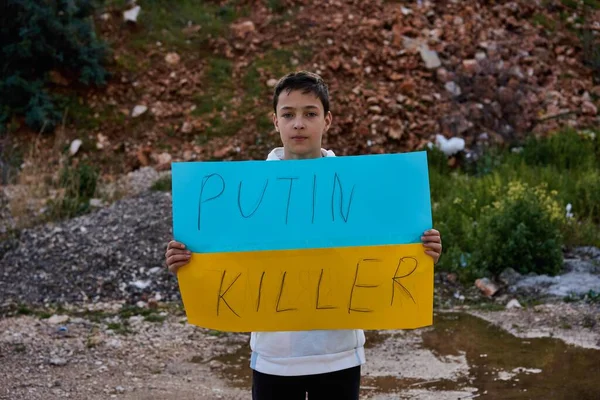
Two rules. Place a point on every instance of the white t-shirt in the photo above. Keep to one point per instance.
(306, 352)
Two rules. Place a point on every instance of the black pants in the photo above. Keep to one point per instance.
(338, 385)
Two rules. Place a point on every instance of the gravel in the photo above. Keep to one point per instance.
(115, 253)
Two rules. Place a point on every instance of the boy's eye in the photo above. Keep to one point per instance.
(312, 114)
(287, 115)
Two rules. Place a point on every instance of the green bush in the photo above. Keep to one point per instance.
(586, 197)
(565, 150)
(522, 231)
(37, 38)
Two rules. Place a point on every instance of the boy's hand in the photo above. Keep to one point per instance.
(176, 256)
(432, 241)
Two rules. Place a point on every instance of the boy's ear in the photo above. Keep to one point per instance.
(328, 119)
(275, 122)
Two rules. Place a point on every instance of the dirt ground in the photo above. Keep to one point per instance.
(86, 358)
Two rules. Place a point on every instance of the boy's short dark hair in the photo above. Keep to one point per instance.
(305, 81)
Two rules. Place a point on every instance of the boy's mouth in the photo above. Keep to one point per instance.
(299, 138)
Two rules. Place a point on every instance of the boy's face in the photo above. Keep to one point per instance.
(301, 123)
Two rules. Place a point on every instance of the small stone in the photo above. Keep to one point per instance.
(138, 110)
(172, 58)
(75, 145)
(442, 75)
(453, 88)
(430, 57)
(97, 203)
(187, 127)
(243, 29)
(514, 303)
(58, 362)
(509, 277)
(58, 319)
(487, 287)
(480, 55)
(120, 389)
(396, 132)
(132, 14)
(375, 109)
(164, 158)
(272, 82)
(471, 66)
(588, 108)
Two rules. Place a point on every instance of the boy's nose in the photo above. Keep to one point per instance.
(298, 124)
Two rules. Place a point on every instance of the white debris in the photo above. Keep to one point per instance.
(138, 110)
(430, 57)
(132, 14)
(141, 284)
(449, 146)
(514, 303)
(75, 145)
(453, 88)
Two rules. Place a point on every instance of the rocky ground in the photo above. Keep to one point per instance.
(89, 311)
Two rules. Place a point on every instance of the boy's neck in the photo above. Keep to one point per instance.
(291, 156)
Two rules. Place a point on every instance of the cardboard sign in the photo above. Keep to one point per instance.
(330, 243)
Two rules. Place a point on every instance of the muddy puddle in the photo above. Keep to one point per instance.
(484, 361)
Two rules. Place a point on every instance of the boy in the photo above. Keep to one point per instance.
(323, 363)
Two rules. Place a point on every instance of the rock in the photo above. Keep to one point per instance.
(452, 88)
(164, 158)
(139, 284)
(514, 303)
(375, 109)
(187, 127)
(487, 287)
(132, 14)
(408, 86)
(480, 55)
(58, 319)
(243, 29)
(509, 277)
(138, 110)
(587, 252)
(442, 75)
(571, 283)
(471, 66)
(272, 82)
(97, 203)
(57, 361)
(430, 57)
(396, 132)
(588, 108)
(57, 78)
(102, 141)
(220, 153)
(172, 58)
(578, 265)
(75, 146)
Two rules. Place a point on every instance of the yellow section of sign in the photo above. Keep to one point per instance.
(370, 287)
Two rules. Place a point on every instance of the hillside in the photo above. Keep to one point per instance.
(399, 73)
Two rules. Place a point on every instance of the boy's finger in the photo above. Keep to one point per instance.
(176, 258)
(175, 245)
(432, 238)
(432, 232)
(433, 246)
(432, 254)
(173, 268)
(173, 252)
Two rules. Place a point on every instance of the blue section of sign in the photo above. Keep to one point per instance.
(301, 204)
